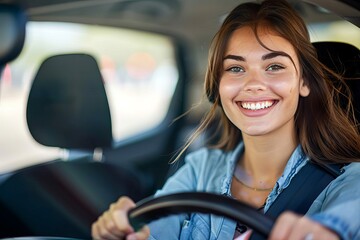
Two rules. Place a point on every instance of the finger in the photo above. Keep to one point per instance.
(100, 231)
(112, 231)
(114, 224)
(143, 234)
(108, 228)
(283, 226)
(123, 203)
(107, 225)
(120, 216)
(308, 229)
(246, 235)
(95, 232)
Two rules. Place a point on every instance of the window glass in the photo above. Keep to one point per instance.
(340, 31)
(139, 71)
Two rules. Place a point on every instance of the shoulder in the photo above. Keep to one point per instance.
(348, 181)
(352, 168)
(209, 155)
(350, 172)
(204, 160)
(213, 159)
(211, 167)
(205, 169)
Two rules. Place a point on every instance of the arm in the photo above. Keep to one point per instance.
(338, 206)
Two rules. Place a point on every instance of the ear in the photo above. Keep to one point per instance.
(304, 89)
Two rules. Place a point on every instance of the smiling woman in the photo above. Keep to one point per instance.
(265, 77)
(281, 125)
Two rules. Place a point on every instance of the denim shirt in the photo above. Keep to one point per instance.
(211, 170)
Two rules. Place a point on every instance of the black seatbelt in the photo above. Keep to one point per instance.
(303, 189)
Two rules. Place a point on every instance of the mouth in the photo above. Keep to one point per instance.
(255, 106)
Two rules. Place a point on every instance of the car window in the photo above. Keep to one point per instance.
(340, 31)
(139, 71)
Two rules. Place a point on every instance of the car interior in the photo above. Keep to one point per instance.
(68, 108)
(69, 116)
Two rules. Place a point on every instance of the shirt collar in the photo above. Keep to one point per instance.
(296, 161)
(231, 160)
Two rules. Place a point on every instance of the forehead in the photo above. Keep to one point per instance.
(244, 39)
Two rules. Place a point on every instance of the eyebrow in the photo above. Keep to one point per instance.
(275, 54)
(234, 57)
(264, 57)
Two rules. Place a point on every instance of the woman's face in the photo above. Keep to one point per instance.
(260, 89)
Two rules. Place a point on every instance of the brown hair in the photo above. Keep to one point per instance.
(327, 133)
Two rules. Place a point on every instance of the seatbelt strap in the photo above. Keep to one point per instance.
(303, 189)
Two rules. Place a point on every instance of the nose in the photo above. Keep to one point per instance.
(254, 82)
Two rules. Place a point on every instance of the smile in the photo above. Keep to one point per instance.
(257, 105)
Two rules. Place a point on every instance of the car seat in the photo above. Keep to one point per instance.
(12, 32)
(343, 58)
(67, 108)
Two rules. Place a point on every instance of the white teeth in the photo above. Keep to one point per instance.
(257, 105)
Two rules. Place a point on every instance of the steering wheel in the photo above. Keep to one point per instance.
(153, 208)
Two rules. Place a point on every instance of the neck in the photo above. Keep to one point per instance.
(265, 156)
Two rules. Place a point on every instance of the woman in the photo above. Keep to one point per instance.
(278, 112)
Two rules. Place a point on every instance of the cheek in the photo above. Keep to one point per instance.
(229, 89)
(286, 86)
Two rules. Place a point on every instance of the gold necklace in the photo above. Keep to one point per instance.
(252, 188)
(237, 178)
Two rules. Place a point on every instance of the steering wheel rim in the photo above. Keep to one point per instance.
(153, 208)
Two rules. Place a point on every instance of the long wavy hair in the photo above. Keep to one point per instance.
(326, 132)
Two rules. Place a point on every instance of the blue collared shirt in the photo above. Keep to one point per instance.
(211, 170)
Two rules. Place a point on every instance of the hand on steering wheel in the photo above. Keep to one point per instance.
(154, 208)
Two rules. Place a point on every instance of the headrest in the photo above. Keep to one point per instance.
(343, 58)
(67, 105)
(12, 32)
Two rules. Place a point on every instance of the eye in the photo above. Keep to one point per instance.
(235, 69)
(275, 67)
